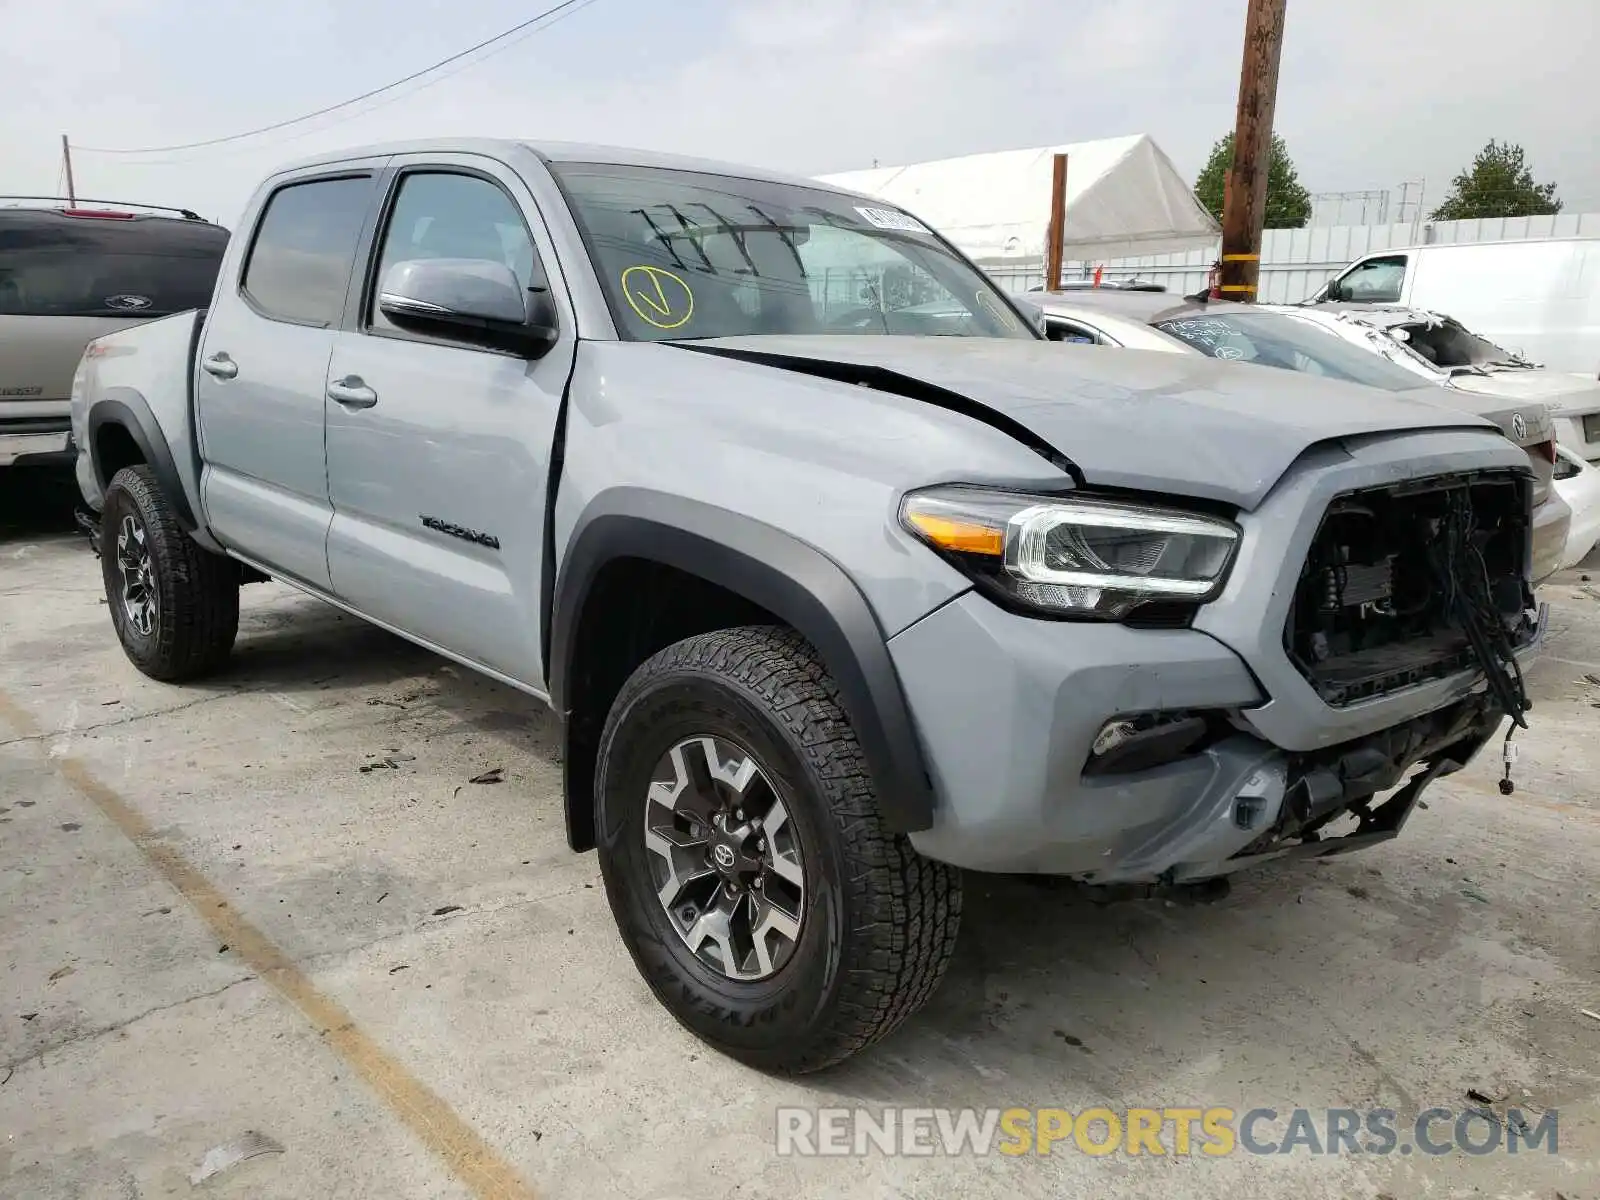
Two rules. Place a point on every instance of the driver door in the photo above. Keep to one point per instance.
(438, 451)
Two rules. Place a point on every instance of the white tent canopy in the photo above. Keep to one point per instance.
(1124, 198)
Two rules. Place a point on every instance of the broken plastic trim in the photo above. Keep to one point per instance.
(884, 380)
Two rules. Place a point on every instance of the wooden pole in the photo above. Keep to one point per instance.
(1244, 204)
(1055, 239)
(66, 158)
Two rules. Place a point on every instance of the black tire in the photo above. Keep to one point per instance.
(195, 614)
(879, 921)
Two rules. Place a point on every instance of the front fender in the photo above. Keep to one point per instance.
(790, 579)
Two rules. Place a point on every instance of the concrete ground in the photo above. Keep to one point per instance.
(214, 921)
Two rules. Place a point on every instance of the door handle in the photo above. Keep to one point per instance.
(352, 392)
(220, 366)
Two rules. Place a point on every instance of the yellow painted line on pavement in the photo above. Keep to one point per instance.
(471, 1159)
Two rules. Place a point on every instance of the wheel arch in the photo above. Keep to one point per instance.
(123, 413)
(757, 572)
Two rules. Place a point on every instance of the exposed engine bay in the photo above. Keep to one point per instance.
(1415, 582)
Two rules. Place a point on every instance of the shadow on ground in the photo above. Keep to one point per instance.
(36, 502)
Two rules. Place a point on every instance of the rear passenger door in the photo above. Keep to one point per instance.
(263, 368)
(438, 469)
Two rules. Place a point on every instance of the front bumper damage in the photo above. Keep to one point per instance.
(1015, 796)
(1011, 711)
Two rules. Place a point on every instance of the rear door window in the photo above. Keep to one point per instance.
(300, 262)
(54, 265)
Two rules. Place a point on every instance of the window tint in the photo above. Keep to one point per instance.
(300, 263)
(53, 265)
(1377, 281)
(441, 215)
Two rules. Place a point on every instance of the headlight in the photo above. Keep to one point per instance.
(1075, 556)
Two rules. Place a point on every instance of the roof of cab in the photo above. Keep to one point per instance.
(560, 152)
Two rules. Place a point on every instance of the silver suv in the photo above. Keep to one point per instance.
(69, 274)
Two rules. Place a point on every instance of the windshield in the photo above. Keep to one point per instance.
(1279, 340)
(687, 255)
(53, 265)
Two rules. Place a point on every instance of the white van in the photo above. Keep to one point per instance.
(1538, 297)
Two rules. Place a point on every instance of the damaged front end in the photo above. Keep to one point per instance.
(1404, 585)
(1331, 800)
(1414, 582)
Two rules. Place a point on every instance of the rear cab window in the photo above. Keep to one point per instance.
(53, 264)
(305, 243)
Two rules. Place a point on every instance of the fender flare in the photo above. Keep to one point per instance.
(127, 408)
(790, 579)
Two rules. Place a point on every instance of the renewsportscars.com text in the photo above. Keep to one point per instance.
(1211, 1131)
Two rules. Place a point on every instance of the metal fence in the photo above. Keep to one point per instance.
(1296, 262)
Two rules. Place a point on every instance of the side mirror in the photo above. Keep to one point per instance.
(472, 299)
(1333, 292)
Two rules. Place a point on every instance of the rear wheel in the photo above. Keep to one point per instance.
(174, 604)
(746, 863)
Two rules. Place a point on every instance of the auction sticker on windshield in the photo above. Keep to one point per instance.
(890, 218)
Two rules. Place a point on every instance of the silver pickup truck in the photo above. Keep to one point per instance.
(839, 575)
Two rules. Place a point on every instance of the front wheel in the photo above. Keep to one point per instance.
(174, 604)
(746, 863)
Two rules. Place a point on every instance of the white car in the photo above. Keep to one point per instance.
(1536, 295)
(1443, 351)
(1578, 484)
(1299, 339)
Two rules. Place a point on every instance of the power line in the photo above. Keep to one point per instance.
(321, 112)
(438, 78)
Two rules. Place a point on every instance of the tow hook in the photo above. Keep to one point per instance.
(89, 522)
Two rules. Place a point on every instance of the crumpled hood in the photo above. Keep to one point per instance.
(1154, 422)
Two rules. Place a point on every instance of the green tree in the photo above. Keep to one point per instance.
(1498, 184)
(1288, 203)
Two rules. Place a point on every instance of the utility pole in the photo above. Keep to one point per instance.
(66, 159)
(1244, 203)
(1056, 236)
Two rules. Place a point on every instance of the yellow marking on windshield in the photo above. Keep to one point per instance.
(659, 297)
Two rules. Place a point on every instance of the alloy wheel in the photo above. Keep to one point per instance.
(140, 601)
(725, 858)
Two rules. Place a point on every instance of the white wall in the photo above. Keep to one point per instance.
(1296, 262)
